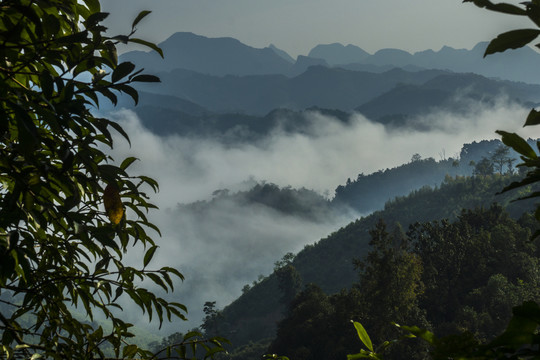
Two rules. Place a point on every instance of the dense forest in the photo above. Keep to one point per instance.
(441, 257)
(446, 276)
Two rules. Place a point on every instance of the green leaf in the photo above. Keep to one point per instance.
(110, 52)
(363, 335)
(108, 94)
(421, 333)
(173, 271)
(51, 24)
(149, 254)
(211, 352)
(517, 143)
(363, 354)
(129, 351)
(54, 165)
(122, 38)
(146, 78)
(122, 70)
(158, 280)
(148, 44)
(130, 91)
(533, 118)
(127, 162)
(501, 7)
(139, 17)
(119, 128)
(511, 40)
(95, 19)
(78, 37)
(93, 5)
(28, 134)
(118, 293)
(47, 84)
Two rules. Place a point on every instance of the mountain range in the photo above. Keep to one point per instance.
(213, 85)
(188, 102)
(228, 56)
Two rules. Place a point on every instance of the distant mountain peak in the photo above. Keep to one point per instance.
(282, 53)
(338, 54)
(228, 56)
(213, 56)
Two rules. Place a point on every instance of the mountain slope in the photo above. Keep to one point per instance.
(446, 92)
(336, 88)
(328, 262)
(331, 88)
(282, 53)
(213, 56)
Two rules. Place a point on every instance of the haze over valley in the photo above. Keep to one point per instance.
(232, 132)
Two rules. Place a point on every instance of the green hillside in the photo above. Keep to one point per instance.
(328, 263)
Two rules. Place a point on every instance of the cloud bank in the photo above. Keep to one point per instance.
(227, 246)
(190, 169)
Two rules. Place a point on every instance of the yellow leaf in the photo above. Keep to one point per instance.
(113, 203)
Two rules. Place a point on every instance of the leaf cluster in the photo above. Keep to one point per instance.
(68, 212)
(515, 39)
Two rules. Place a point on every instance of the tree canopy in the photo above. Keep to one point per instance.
(68, 211)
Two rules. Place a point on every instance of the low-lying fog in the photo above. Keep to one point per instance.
(227, 246)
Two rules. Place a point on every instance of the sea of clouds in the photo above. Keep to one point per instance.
(228, 246)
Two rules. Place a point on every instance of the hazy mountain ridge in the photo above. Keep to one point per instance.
(374, 94)
(281, 53)
(213, 56)
(516, 65)
(403, 98)
(448, 93)
(228, 56)
(198, 82)
(337, 54)
(232, 128)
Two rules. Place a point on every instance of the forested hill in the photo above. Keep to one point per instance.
(368, 193)
(328, 262)
(302, 203)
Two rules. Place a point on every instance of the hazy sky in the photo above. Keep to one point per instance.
(296, 26)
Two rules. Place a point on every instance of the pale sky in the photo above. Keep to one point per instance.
(296, 26)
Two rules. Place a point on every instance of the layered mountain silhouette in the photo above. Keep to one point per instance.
(219, 86)
(332, 88)
(517, 65)
(373, 94)
(282, 53)
(228, 56)
(447, 92)
(212, 56)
